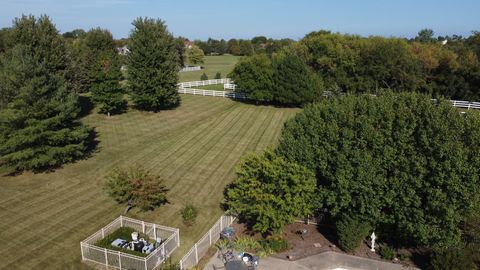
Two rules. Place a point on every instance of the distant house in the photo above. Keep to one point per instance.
(188, 44)
(123, 50)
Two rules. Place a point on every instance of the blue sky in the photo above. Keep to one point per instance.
(247, 18)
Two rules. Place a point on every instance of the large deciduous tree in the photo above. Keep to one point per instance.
(38, 123)
(254, 77)
(401, 162)
(270, 192)
(152, 65)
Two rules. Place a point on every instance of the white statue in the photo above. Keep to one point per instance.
(373, 237)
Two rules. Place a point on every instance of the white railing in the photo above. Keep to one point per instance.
(203, 83)
(120, 260)
(200, 248)
(213, 93)
(465, 104)
(185, 69)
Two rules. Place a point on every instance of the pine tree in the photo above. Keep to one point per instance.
(38, 126)
(105, 73)
(152, 65)
(106, 89)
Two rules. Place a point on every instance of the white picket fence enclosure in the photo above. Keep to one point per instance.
(120, 260)
(200, 248)
(185, 69)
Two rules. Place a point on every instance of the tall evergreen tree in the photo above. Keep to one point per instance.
(152, 65)
(38, 126)
(106, 74)
(295, 84)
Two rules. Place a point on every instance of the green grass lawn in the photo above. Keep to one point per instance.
(213, 64)
(43, 217)
(216, 87)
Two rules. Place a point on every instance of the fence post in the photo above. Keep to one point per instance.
(103, 233)
(196, 254)
(145, 260)
(210, 236)
(154, 232)
(81, 250)
(119, 260)
(143, 226)
(106, 257)
(181, 265)
(178, 237)
(121, 221)
(221, 223)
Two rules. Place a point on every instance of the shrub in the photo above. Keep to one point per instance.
(452, 259)
(137, 185)
(387, 253)
(351, 232)
(204, 77)
(275, 244)
(189, 214)
(246, 243)
(218, 75)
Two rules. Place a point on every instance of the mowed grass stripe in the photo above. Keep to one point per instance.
(178, 145)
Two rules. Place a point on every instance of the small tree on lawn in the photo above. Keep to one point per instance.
(152, 65)
(218, 75)
(270, 192)
(138, 187)
(204, 77)
(189, 214)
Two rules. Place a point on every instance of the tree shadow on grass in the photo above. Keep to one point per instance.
(86, 106)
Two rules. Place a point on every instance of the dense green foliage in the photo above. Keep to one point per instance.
(138, 186)
(195, 55)
(351, 232)
(294, 82)
(254, 77)
(153, 65)
(189, 214)
(106, 74)
(270, 192)
(364, 65)
(409, 166)
(204, 77)
(38, 126)
(453, 258)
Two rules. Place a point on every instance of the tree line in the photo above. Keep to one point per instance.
(355, 64)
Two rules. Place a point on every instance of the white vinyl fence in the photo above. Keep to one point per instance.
(203, 83)
(200, 248)
(465, 104)
(213, 93)
(120, 260)
(187, 88)
(185, 69)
